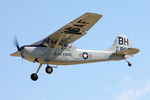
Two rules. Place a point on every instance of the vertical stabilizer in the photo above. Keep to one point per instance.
(121, 43)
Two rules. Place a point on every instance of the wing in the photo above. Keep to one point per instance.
(72, 31)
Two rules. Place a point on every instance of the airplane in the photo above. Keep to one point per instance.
(56, 49)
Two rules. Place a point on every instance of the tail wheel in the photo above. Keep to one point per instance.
(129, 64)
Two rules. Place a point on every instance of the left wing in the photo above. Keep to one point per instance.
(72, 31)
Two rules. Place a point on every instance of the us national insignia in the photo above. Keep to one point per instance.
(85, 55)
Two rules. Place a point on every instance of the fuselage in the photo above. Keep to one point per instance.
(66, 56)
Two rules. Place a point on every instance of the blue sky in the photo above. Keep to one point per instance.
(32, 20)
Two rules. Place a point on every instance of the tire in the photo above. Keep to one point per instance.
(49, 70)
(34, 76)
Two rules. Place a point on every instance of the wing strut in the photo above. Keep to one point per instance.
(51, 54)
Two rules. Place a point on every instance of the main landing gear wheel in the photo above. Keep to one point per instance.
(49, 70)
(34, 76)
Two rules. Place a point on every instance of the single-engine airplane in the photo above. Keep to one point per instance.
(54, 49)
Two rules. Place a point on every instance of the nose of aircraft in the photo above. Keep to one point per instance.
(21, 51)
(21, 48)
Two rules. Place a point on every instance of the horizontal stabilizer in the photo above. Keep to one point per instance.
(129, 51)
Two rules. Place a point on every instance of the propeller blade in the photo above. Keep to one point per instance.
(16, 43)
(18, 48)
(21, 54)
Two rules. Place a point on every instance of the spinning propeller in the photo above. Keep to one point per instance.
(19, 48)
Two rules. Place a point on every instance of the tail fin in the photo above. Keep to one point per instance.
(121, 43)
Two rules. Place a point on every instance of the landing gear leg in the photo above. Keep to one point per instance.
(129, 64)
(34, 76)
(48, 69)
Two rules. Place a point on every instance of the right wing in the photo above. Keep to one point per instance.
(72, 31)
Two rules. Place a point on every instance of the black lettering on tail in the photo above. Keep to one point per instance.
(123, 41)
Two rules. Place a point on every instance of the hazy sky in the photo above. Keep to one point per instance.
(32, 20)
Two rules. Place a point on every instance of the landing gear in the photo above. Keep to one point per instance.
(34, 76)
(129, 64)
(49, 70)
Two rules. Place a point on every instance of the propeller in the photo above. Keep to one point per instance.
(19, 48)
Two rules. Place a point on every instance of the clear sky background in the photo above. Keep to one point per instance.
(32, 20)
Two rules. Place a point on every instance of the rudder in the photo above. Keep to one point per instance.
(121, 43)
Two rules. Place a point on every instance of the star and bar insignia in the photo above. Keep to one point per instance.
(85, 55)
